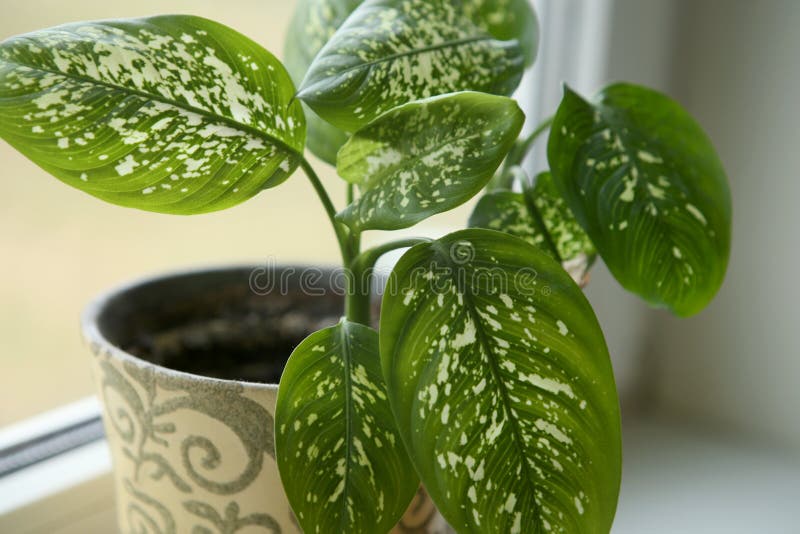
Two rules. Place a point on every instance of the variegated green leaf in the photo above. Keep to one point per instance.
(508, 19)
(175, 114)
(539, 216)
(313, 23)
(644, 181)
(501, 383)
(508, 211)
(426, 157)
(341, 461)
(565, 233)
(389, 52)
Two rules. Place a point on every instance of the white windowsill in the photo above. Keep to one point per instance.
(676, 480)
(689, 481)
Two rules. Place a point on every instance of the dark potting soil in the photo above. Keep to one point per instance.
(218, 335)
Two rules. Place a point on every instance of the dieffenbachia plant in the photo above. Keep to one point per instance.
(489, 379)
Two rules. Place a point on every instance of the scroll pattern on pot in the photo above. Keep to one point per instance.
(191, 455)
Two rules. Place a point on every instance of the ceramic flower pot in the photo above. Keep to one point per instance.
(187, 366)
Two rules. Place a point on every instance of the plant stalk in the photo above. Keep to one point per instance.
(357, 297)
(368, 258)
(358, 265)
(341, 231)
(357, 302)
(534, 135)
(505, 178)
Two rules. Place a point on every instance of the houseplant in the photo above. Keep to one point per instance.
(488, 378)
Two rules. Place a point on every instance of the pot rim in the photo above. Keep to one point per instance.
(92, 312)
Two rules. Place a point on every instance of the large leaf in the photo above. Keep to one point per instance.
(313, 23)
(500, 380)
(389, 52)
(174, 114)
(426, 157)
(340, 458)
(644, 181)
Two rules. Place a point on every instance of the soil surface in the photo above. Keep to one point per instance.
(228, 336)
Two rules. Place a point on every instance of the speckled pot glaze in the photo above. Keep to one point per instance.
(183, 365)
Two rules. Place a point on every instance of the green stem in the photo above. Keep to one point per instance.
(367, 259)
(357, 299)
(505, 179)
(357, 303)
(528, 142)
(341, 230)
(359, 265)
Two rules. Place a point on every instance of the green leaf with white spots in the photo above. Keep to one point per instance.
(644, 181)
(563, 229)
(508, 19)
(389, 52)
(174, 114)
(508, 211)
(426, 157)
(539, 216)
(313, 23)
(341, 460)
(501, 384)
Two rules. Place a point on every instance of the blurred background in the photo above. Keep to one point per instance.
(711, 404)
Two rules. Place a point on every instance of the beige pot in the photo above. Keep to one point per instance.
(186, 367)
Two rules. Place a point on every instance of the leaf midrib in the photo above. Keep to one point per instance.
(348, 417)
(158, 98)
(495, 371)
(304, 90)
(533, 211)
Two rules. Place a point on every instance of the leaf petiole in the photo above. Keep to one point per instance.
(342, 234)
(357, 303)
(505, 179)
(527, 143)
(367, 259)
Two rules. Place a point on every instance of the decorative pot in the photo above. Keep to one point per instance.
(186, 367)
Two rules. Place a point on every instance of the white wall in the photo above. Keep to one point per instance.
(738, 363)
